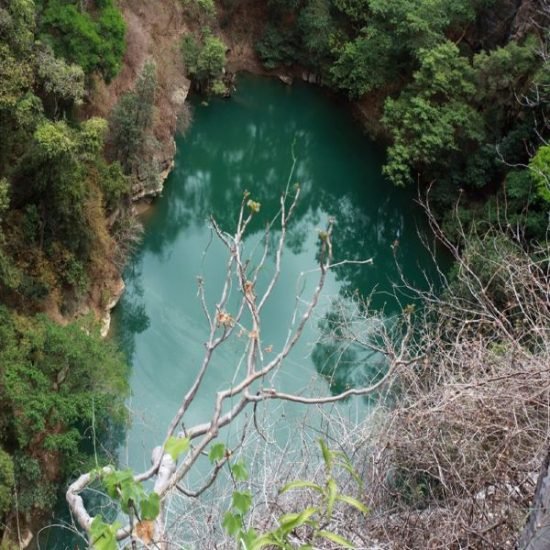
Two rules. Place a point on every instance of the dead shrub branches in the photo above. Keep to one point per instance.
(459, 452)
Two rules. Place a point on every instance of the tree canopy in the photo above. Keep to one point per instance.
(57, 381)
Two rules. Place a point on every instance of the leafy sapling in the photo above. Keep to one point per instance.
(299, 529)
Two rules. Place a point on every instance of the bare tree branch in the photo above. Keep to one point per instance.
(168, 474)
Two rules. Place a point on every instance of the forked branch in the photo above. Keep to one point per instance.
(167, 473)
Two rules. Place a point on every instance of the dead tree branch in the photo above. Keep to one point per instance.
(166, 473)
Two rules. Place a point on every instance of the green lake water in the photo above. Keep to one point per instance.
(246, 143)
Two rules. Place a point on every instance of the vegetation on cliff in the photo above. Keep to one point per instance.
(59, 383)
(61, 388)
(460, 105)
(203, 52)
(463, 92)
(54, 175)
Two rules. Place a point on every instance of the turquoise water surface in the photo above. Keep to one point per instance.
(248, 143)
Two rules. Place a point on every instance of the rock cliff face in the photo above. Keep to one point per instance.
(154, 31)
(493, 27)
(513, 20)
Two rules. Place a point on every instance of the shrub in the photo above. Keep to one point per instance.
(204, 60)
(93, 43)
(277, 47)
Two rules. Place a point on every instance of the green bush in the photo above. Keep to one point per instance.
(34, 491)
(433, 117)
(94, 43)
(204, 60)
(131, 136)
(114, 184)
(7, 481)
(277, 47)
(202, 11)
(56, 383)
(516, 207)
(540, 169)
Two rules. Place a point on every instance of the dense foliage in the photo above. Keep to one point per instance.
(204, 60)
(460, 105)
(94, 42)
(55, 181)
(203, 52)
(461, 89)
(61, 386)
(133, 143)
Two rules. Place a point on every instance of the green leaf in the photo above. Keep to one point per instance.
(242, 501)
(239, 471)
(300, 485)
(327, 454)
(121, 486)
(103, 535)
(176, 446)
(289, 522)
(347, 465)
(353, 502)
(333, 537)
(232, 523)
(332, 492)
(150, 507)
(265, 540)
(248, 538)
(217, 452)
(113, 481)
(131, 492)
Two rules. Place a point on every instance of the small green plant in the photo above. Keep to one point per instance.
(103, 535)
(141, 507)
(203, 11)
(219, 88)
(313, 518)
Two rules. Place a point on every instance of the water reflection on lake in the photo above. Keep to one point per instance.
(247, 143)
